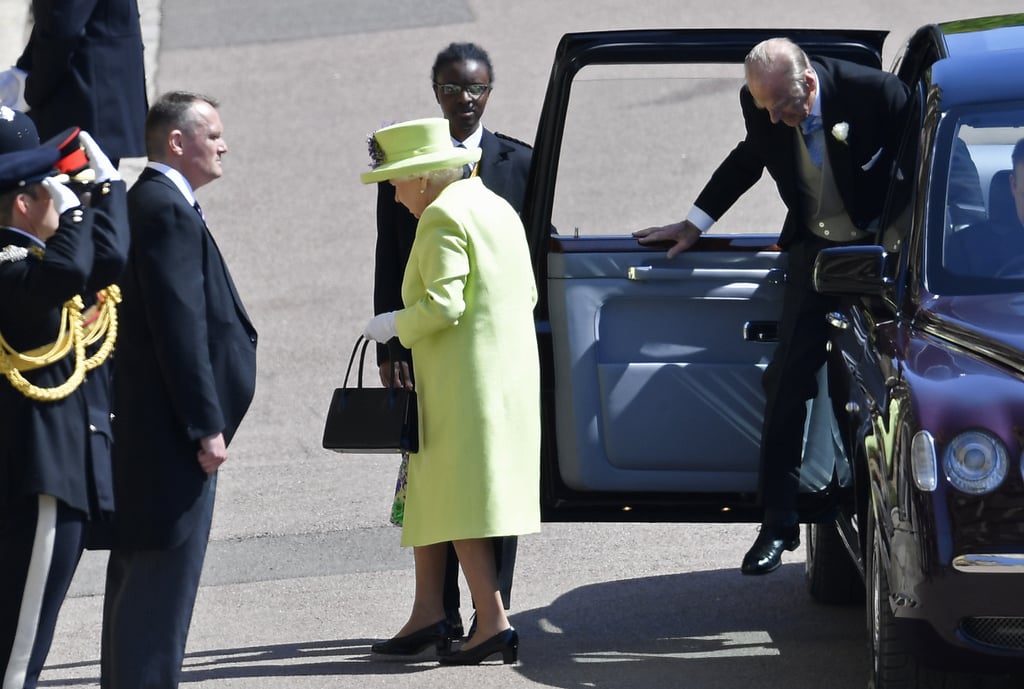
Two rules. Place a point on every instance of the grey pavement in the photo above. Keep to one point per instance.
(303, 571)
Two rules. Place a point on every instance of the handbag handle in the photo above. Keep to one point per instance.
(362, 358)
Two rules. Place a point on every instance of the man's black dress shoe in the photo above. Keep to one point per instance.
(438, 635)
(766, 554)
(506, 643)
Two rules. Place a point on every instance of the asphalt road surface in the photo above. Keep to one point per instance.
(303, 571)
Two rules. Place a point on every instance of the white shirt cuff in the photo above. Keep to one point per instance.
(702, 220)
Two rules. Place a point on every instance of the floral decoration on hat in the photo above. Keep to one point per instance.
(377, 156)
(412, 148)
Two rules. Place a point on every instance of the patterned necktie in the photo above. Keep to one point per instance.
(199, 210)
(814, 137)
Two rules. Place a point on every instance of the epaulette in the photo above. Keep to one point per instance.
(506, 137)
(12, 253)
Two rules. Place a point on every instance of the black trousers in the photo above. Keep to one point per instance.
(504, 563)
(790, 381)
(147, 608)
(41, 542)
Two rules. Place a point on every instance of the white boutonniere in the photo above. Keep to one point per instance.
(840, 131)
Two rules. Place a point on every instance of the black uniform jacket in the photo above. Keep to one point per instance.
(185, 365)
(46, 446)
(504, 167)
(871, 102)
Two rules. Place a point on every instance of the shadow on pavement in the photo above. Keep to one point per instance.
(703, 630)
(715, 629)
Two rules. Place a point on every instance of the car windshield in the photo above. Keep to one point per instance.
(982, 243)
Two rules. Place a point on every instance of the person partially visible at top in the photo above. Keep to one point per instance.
(83, 67)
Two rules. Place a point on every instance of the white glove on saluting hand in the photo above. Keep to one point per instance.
(98, 160)
(63, 198)
(381, 328)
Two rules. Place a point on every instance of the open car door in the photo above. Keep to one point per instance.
(651, 387)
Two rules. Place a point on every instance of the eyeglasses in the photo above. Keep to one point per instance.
(474, 90)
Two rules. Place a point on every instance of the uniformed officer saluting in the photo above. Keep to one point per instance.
(59, 258)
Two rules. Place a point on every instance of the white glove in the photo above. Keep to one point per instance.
(381, 328)
(12, 89)
(63, 198)
(98, 160)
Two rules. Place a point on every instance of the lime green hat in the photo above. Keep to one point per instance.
(410, 148)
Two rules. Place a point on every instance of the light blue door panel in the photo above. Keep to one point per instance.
(646, 430)
(657, 388)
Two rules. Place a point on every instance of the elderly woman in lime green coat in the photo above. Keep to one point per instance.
(469, 294)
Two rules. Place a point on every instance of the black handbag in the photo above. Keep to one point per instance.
(370, 420)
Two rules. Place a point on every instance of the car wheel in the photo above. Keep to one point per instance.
(831, 575)
(893, 666)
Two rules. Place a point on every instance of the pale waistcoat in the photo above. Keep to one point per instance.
(825, 215)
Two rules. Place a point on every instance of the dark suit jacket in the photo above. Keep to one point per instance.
(870, 101)
(985, 248)
(85, 69)
(185, 365)
(504, 167)
(59, 448)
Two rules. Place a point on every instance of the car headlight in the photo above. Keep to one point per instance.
(975, 462)
(922, 458)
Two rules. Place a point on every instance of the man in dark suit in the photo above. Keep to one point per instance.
(994, 247)
(462, 81)
(184, 377)
(827, 132)
(83, 66)
(59, 258)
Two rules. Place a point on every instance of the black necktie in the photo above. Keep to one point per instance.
(199, 210)
(467, 169)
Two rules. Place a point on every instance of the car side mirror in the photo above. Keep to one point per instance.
(851, 270)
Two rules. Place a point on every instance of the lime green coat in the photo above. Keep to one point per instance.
(469, 294)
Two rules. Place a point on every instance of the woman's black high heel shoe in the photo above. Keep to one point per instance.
(506, 643)
(438, 634)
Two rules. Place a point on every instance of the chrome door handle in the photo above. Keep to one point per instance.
(776, 276)
(773, 276)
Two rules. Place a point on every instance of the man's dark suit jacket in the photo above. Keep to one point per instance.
(984, 249)
(46, 445)
(870, 101)
(85, 69)
(185, 365)
(504, 166)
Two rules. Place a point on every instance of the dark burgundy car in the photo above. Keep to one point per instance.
(912, 484)
(929, 369)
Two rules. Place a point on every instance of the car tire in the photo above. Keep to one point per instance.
(893, 666)
(831, 575)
